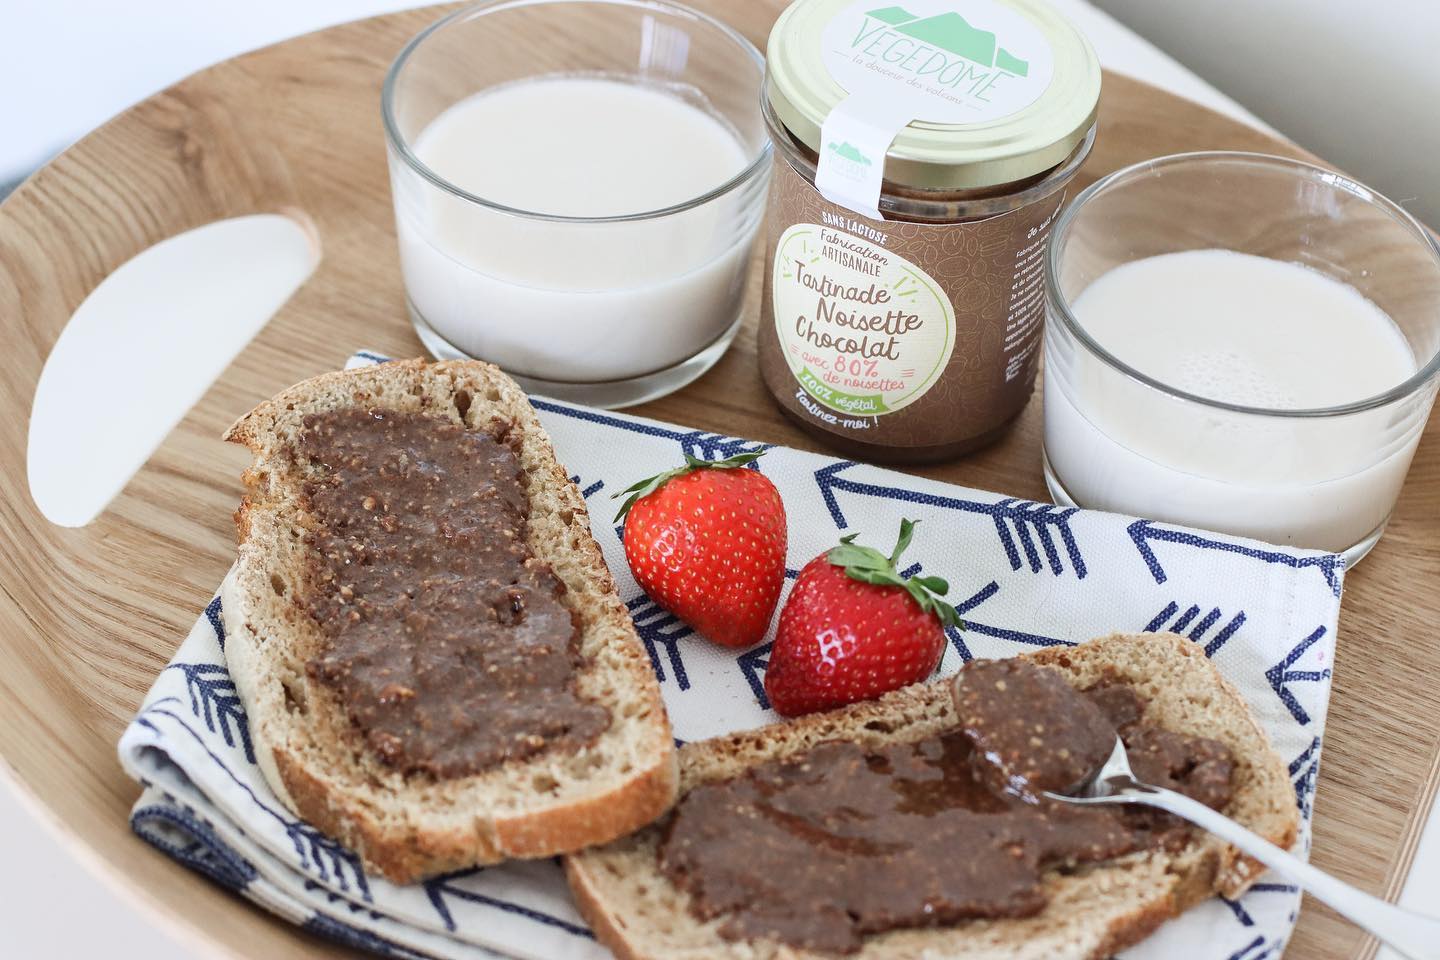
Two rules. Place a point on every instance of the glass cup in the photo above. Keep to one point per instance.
(604, 310)
(1119, 439)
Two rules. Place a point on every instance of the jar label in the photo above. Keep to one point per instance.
(901, 334)
(937, 61)
(865, 331)
(948, 61)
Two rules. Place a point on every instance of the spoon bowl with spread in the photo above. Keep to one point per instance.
(1069, 747)
(1411, 934)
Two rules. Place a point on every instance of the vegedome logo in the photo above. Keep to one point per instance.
(950, 32)
(848, 151)
(943, 51)
(952, 62)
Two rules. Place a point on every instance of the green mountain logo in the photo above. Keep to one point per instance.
(892, 15)
(848, 151)
(952, 33)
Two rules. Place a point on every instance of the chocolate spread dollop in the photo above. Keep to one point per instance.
(1032, 730)
(822, 849)
(444, 637)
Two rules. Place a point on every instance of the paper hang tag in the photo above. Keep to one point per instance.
(853, 143)
(941, 61)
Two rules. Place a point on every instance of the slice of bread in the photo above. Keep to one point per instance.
(638, 913)
(409, 827)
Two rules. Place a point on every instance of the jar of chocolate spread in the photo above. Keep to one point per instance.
(924, 152)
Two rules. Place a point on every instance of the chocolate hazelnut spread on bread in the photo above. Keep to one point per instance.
(445, 639)
(821, 849)
(1034, 732)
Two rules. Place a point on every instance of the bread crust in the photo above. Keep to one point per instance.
(615, 887)
(410, 828)
(588, 892)
(1226, 871)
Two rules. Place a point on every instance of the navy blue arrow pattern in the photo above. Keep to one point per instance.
(1020, 525)
(212, 614)
(213, 699)
(314, 851)
(1173, 620)
(1257, 949)
(330, 862)
(360, 938)
(752, 665)
(697, 443)
(661, 631)
(1145, 533)
(1303, 771)
(957, 641)
(440, 888)
(343, 901)
(1281, 676)
(972, 625)
(591, 490)
(189, 839)
(1238, 908)
(1015, 580)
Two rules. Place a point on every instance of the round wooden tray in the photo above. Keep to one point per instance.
(88, 616)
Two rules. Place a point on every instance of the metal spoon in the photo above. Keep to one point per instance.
(1413, 935)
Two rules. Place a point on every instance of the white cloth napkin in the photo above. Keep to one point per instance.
(1022, 574)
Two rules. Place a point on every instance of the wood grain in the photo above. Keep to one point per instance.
(87, 617)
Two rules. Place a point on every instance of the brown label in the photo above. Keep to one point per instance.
(901, 334)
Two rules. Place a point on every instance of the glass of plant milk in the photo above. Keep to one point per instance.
(1242, 343)
(578, 186)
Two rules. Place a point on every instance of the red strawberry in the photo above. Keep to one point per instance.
(706, 541)
(853, 628)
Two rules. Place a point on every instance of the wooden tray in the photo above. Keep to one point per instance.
(88, 616)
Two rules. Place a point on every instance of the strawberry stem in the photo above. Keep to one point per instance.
(869, 565)
(650, 484)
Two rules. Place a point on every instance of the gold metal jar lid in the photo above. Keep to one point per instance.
(901, 42)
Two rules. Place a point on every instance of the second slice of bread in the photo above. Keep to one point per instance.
(640, 915)
(409, 827)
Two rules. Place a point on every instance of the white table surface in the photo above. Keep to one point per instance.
(47, 882)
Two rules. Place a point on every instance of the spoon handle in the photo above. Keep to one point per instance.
(1415, 936)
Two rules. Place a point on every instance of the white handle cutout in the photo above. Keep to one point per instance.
(143, 348)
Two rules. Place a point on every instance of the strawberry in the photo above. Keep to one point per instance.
(854, 628)
(706, 541)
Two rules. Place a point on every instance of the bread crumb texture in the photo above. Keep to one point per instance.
(1092, 912)
(409, 827)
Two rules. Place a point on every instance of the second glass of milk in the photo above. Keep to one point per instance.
(578, 187)
(1240, 343)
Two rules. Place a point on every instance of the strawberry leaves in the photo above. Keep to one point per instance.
(650, 484)
(869, 565)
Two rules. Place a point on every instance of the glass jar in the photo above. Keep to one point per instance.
(1215, 439)
(602, 257)
(904, 325)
